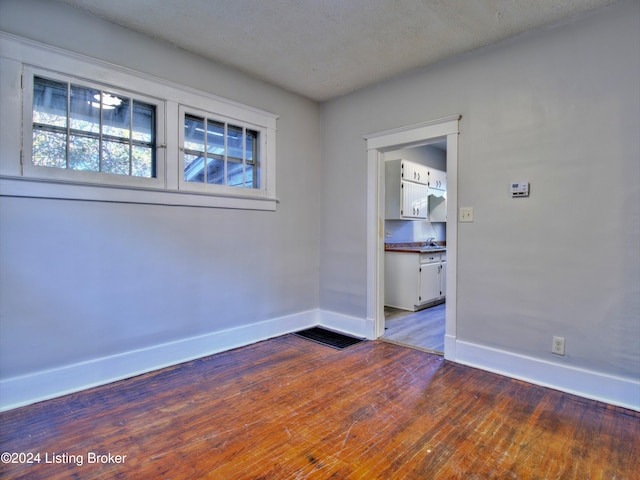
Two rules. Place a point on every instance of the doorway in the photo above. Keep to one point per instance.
(419, 326)
(378, 144)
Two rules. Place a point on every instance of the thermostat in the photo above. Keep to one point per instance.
(520, 189)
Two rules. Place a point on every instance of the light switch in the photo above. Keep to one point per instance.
(466, 214)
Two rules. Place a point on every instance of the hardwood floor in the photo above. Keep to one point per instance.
(289, 408)
(422, 329)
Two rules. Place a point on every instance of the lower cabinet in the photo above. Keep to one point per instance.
(429, 282)
(413, 280)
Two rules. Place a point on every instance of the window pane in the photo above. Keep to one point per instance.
(49, 102)
(194, 133)
(86, 129)
(142, 162)
(143, 122)
(249, 178)
(84, 153)
(49, 149)
(85, 109)
(234, 174)
(115, 158)
(215, 138)
(116, 113)
(215, 171)
(231, 154)
(252, 144)
(252, 176)
(193, 168)
(234, 141)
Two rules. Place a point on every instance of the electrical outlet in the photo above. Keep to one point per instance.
(557, 346)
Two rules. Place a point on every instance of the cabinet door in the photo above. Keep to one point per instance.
(437, 179)
(401, 280)
(414, 172)
(415, 200)
(429, 282)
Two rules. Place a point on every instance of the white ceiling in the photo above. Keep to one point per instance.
(326, 48)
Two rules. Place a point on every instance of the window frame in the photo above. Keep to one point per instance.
(80, 176)
(18, 54)
(185, 185)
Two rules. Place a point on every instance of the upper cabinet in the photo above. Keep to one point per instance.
(406, 190)
(437, 195)
(437, 179)
(413, 172)
(415, 192)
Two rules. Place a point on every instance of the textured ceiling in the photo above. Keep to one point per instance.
(325, 48)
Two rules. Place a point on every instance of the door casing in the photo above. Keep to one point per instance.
(377, 144)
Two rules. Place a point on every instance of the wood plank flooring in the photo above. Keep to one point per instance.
(288, 408)
(423, 329)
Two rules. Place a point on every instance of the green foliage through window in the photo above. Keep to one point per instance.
(87, 129)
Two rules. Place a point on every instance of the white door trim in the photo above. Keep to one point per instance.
(377, 144)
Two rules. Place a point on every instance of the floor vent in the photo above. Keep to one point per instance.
(329, 338)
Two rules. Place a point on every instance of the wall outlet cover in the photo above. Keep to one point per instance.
(557, 346)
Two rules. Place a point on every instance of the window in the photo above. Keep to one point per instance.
(88, 129)
(74, 127)
(85, 132)
(218, 153)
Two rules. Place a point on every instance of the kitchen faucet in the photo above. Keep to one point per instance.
(431, 241)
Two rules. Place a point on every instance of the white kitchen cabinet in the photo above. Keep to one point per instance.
(413, 280)
(437, 179)
(414, 200)
(443, 276)
(429, 282)
(437, 195)
(406, 198)
(413, 172)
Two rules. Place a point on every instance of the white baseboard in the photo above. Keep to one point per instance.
(450, 347)
(357, 326)
(618, 391)
(24, 390)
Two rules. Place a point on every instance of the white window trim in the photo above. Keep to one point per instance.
(74, 176)
(17, 53)
(184, 185)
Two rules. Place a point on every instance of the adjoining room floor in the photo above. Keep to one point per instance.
(422, 329)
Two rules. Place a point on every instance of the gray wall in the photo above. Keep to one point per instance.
(559, 108)
(84, 280)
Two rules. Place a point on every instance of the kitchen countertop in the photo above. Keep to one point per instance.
(414, 247)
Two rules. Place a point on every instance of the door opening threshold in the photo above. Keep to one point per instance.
(415, 347)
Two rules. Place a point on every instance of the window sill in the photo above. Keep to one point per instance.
(37, 188)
